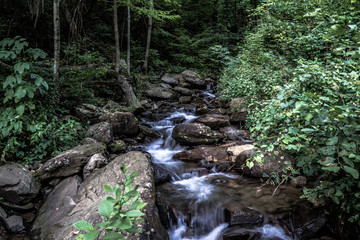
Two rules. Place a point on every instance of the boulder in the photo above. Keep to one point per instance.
(237, 104)
(242, 234)
(215, 154)
(165, 85)
(158, 92)
(185, 99)
(239, 215)
(239, 110)
(299, 181)
(161, 175)
(17, 184)
(112, 106)
(91, 193)
(195, 133)
(57, 206)
(193, 79)
(244, 150)
(202, 109)
(117, 146)
(149, 132)
(123, 123)
(275, 161)
(88, 112)
(15, 223)
(96, 161)
(172, 79)
(214, 121)
(184, 91)
(71, 161)
(232, 133)
(237, 117)
(101, 132)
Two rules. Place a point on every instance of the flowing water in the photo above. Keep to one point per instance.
(199, 201)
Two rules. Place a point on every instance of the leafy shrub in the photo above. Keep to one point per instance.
(119, 211)
(29, 128)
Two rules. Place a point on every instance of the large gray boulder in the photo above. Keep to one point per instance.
(274, 161)
(158, 92)
(88, 112)
(172, 79)
(71, 161)
(17, 184)
(214, 121)
(195, 134)
(184, 91)
(123, 123)
(101, 132)
(89, 195)
(193, 79)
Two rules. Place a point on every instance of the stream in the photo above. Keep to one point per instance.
(199, 198)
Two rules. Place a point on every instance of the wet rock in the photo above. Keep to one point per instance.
(101, 132)
(71, 161)
(184, 91)
(91, 193)
(299, 181)
(3, 214)
(185, 99)
(214, 121)
(96, 161)
(239, 215)
(112, 106)
(88, 112)
(202, 109)
(123, 123)
(208, 153)
(193, 78)
(178, 120)
(15, 224)
(57, 206)
(198, 172)
(272, 162)
(172, 79)
(232, 133)
(158, 92)
(240, 152)
(149, 132)
(308, 221)
(17, 207)
(195, 133)
(241, 235)
(165, 85)
(117, 146)
(161, 175)
(17, 184)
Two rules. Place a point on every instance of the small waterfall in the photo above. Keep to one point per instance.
(204, 197)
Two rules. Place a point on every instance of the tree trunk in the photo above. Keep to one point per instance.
(125, 86)
(56, 18)
(148, 39)
(128, 41)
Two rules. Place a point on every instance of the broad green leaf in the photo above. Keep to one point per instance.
(107, 188)
(20, 110)
(332, 141)
(124, 223)
(83, 225)
(118, 193)
(352, 171)
(10, 81)
(307, 130)
(93, 234)
(332, 168)
(134, 213)
(38, 81)
(46, 86)
(20, 93)
(103, 224)
(106, 209)
(113, 235)
(133, 230)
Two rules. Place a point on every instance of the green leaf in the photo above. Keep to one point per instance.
(352, 171)
(133, 230)
(106, 209)
(307, 130)
(83, 225)
(10, 81)
(20, 92)
(38, 81)
(332, 168)
(118, 193)
(107, 188)
(103, 224)
(134, 213)
(88, 236)
(332, 141)
(20, 110)
(124, 223)
(113, 235)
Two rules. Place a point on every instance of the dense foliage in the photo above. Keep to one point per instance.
(304, 90)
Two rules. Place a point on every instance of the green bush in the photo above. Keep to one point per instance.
(119, 211)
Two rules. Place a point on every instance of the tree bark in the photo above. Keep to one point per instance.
(128, 41)
(56, 18)
(125, 86)
(148, 39)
